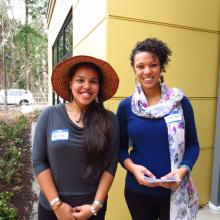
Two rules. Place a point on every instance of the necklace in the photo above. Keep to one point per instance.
(80, 117)
(74, 114)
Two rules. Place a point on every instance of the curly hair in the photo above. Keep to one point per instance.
(154, 46)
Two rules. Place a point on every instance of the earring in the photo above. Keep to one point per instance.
(96, 99)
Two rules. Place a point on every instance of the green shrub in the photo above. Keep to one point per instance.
(10, 130)
(7, 212)
(11, 150)
(10, 165)
(11, 153)
(5, 131)
(20, 127)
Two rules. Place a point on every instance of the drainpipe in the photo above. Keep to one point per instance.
(214, 202)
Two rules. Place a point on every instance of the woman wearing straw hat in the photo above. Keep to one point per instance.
(75, 148)
(160, 125)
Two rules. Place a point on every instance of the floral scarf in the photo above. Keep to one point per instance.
(184, 200)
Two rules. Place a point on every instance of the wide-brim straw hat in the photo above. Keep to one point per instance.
(60, 79)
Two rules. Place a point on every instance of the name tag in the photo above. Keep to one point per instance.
(62, 134)
(172, 117)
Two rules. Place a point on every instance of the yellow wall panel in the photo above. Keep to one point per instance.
(204, 112)
(117, 207)
(202, 175)
(194, 63)
(197, 13)
(113, 103)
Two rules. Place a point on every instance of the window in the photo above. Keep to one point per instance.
(54, 55)
(63, 47)
(68, 38)
(60, 45)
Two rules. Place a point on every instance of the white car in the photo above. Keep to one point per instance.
(17, 97)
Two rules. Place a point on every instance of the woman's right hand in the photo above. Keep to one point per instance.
(139, 172)
(65, 212)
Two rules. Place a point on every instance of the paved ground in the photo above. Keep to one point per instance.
(35, 189)
(35, 186)
(12, 110)
(207, 214)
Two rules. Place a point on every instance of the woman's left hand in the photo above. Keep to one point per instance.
(82, 212)
(179, 174)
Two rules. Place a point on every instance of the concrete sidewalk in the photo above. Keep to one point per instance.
(206, 213)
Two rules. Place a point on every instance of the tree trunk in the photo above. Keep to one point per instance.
(26, 47)
(4, 67)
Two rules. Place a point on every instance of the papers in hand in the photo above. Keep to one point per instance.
(168, 180)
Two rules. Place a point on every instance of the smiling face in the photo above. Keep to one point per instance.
(85, 85)
(147, 71)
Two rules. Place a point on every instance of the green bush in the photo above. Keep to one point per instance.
(5, 131)
(10, 169)
(11, 152)
(10, 162)
(10, 130)
(20, 127)
(7, 212)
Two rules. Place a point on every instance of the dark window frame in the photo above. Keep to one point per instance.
(55, 49)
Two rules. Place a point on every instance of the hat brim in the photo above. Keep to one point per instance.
(60, 73)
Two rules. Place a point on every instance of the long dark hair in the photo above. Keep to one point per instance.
(97, 125)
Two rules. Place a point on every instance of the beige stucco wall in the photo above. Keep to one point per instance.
(89, 27)
(90, 45)
(60, 11)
